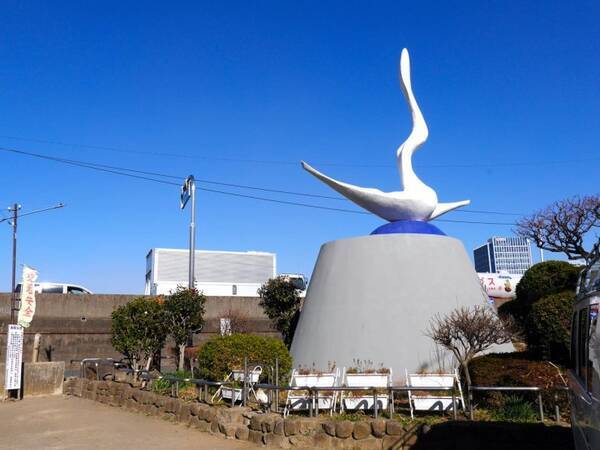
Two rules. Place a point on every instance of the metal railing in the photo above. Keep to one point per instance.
(97, 362)
(203, 389)
(536, 389)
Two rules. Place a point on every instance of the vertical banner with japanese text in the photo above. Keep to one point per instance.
(14, 357)
(27, 309)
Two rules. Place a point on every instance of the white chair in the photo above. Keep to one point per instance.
(302, 401)
(364, 400)
(234, 394)
(428, 400)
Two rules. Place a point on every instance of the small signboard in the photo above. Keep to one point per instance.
(14, 357)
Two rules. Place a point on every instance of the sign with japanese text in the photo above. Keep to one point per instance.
(27, 309)
(14, 357)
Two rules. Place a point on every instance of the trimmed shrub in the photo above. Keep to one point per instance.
(548, 327)
(517, 369)
(222, 354)
(544, 279)
(513, 309)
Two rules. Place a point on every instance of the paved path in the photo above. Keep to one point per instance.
(76, 424)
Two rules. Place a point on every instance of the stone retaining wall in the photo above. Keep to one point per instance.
(272, 430)
(245, 424)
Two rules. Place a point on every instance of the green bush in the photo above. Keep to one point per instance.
(138, 329)
(513, 309)
(281, 302)
(222, 354)
(163, 387)
(548, 327)
(544, 279)
(516, 409)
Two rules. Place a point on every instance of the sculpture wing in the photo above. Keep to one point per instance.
(443, 208)
(373, 200)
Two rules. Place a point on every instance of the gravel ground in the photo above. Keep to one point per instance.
(72, 423)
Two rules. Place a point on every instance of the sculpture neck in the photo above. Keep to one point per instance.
(408, 177)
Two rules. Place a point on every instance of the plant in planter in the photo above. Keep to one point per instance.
(233, 391)
(311, 377)
(363, 374)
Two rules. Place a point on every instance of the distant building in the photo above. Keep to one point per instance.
(217, 273)
(512, 254)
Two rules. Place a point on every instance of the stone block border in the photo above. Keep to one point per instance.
(267, 429)
(272, 430)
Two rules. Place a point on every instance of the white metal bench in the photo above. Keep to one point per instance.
(429, 401)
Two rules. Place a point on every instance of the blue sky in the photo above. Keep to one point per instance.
(509, 90)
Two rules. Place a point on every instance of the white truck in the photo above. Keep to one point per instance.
(217, 273)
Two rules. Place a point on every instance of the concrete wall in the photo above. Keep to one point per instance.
(42, 378)
(76, 327)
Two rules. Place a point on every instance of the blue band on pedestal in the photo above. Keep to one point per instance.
(408, 227)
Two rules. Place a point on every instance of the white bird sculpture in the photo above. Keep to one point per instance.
(416, 201)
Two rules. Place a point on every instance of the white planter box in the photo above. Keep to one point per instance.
(238, 375)
(315, 380)
(434, 403)
(233, 394)
(367, 379)
(366, 402)
(300, 402)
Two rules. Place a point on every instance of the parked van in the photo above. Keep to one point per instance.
(584, 375)
(57, 288)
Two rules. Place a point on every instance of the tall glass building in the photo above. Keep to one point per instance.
(512, 254)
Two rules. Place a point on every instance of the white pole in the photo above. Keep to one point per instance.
(192, 187)
(541, 255)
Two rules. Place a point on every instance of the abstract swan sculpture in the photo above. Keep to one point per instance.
(416, 201)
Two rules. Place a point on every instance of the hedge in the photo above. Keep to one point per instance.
(548, 328)
(544, 279)
(219, 356)
(517, 369)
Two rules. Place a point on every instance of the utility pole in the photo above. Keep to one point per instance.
(13, 221)
(13, 297)
(188, 190)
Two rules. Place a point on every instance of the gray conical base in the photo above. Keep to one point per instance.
(371, 298)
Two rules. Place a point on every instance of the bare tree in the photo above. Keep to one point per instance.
(562, 226)
(466, 332)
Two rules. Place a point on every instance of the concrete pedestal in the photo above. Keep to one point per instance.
(371, 298)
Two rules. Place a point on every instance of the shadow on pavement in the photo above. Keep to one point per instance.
(495, 436)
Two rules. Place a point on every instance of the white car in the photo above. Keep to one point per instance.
(57, 288)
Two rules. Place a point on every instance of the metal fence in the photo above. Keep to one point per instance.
(273, 389)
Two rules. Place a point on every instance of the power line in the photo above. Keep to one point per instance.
(219, 183)
(278, 191)
(120, 171)
(283, 162)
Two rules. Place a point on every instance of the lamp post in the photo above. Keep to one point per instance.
(13, 221)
